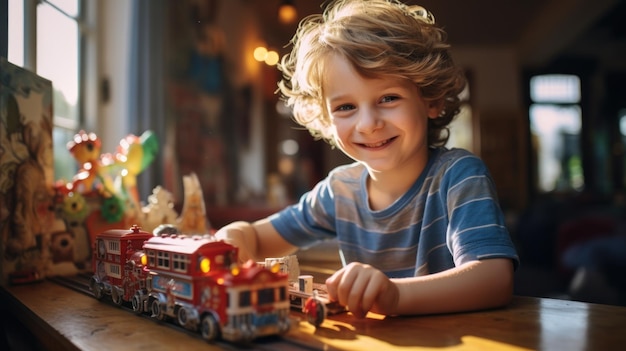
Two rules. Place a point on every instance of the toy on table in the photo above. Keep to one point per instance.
(193, 219)
(194, 281)
(98, 171)
(86, 149)
(133, 155)
(103, 193)
(159, 210)
(304, 295)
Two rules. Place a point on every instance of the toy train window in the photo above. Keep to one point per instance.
(151, 258)
(102, 250)
(180, 262)
(163, 260)
(114, 246)
(265, 296)
(244, 299)
(113, 270)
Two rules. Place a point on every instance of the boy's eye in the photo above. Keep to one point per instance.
(388, 98)
(344, 107)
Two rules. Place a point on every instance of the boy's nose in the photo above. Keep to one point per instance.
(368, 121)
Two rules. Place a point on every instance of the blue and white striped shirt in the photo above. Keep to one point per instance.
(449, 216)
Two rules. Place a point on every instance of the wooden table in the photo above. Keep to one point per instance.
(63, 319)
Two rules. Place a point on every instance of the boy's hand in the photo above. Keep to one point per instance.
(362, 288)
(235, 236)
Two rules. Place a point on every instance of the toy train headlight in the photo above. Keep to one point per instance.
(234, 269)
(144, 260)
(205, 265)
(275, 268)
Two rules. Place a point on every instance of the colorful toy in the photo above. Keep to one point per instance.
(133, 155)
(193, 219)
(100, 171)
(159, 210)
(192, 280)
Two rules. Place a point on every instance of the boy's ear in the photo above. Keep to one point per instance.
(435, 108)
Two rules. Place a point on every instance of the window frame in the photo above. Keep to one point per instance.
(87, 48)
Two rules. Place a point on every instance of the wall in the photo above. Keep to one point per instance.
(497, 103)
(496, 77)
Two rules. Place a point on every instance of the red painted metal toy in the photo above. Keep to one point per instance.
(193, 281)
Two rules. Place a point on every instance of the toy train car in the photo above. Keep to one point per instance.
(195, 282)
(304, 295)
(312, 300)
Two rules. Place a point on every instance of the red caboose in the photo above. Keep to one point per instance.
(119, 265)
(198, 282)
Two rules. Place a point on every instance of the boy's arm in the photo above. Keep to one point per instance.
(256, 241)
(474, 285)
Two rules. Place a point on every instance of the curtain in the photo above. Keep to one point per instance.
(147, 70)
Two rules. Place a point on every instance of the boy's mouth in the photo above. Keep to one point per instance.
(378, 144)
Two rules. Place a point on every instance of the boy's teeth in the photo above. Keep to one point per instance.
(377, 144)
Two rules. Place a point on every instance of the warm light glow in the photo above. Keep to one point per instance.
(260, 54)
(287, 13)
(144, 260)
(272, 58)
(205, 265)
(275, 267)
(234, 270)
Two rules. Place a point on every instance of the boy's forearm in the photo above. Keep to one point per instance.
(474, 286)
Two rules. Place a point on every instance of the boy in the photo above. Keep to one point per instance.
(419, 227)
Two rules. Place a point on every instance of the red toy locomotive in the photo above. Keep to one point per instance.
(192, 280)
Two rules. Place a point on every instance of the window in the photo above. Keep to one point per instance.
(114, 270)
(151, 258)
(180, 262)
(245, 299)
(114, 246)
(266, 296)
(34, 31)
(555, 125)
(163, 260)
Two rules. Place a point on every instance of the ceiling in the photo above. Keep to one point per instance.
(541, 30)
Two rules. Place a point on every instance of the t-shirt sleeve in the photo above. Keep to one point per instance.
(476, 228)
(309, 221)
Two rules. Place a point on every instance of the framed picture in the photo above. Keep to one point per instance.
(26, 172)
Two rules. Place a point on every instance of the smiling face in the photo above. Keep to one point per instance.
(381, 122)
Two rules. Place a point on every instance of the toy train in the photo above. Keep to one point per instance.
(193, 281)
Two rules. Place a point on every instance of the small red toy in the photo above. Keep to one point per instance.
(193, 281)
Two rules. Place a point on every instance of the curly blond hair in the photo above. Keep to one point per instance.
(380, 38)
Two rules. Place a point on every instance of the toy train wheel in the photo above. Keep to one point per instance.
(96, 288)
(157, 311)
(183, 317)
(315, 311)
(209, 328)
(116, 296)
(136, 303)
